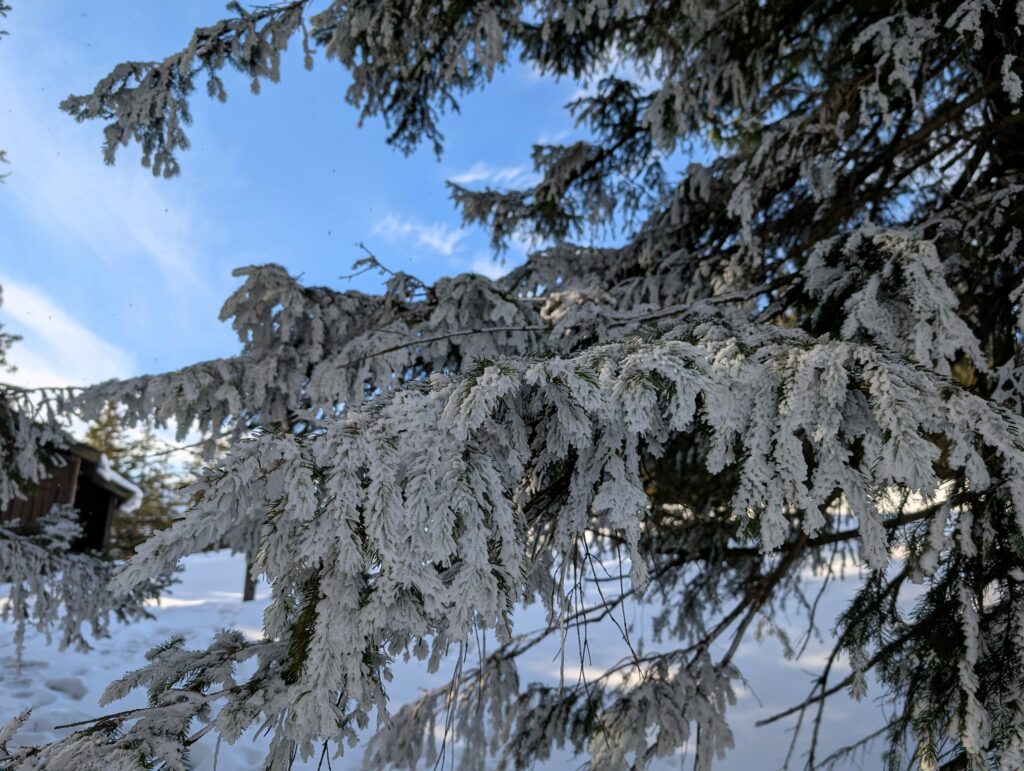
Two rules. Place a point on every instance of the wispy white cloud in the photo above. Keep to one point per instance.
(553, 137)
(437, 236)
(489, 267)
(618, 65)
(56, 349)
(58, 179)
(508, 176)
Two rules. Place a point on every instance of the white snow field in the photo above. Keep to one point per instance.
(63, 687)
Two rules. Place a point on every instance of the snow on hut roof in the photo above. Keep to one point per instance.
(105, 476)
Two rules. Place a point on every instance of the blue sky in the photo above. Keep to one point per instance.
(108, 271)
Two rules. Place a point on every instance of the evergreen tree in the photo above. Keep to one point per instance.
(141, 458)
(807, 349)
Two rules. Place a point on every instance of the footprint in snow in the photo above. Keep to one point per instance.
(70, 686)
(35, 699)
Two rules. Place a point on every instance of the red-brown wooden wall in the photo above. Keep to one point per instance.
(58, 488)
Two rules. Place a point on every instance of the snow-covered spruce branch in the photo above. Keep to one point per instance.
(644, 704)
(32, 432)
(308, 352)
(375, 524)
(179, 684)
(56, 591)
(147, 102)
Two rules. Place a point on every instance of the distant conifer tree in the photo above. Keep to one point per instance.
(141, 457)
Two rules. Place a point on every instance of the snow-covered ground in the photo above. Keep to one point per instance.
(63, 686)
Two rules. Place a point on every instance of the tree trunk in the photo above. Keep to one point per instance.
(249, 591)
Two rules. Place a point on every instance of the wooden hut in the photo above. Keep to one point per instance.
(86, 482)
